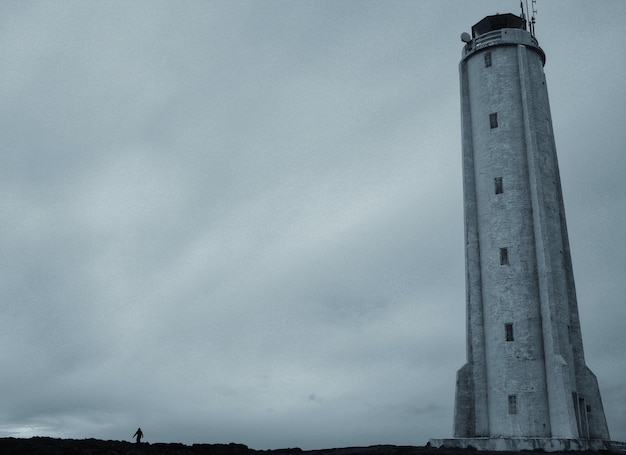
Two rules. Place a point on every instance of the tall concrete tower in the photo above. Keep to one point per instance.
(525, 375)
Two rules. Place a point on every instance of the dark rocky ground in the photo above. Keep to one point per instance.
(51, 446)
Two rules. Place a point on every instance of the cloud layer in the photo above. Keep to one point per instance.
(242, 221)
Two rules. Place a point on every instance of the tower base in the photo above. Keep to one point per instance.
(519, 444)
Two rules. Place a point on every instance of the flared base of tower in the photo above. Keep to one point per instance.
(558, 413)
(538, 444)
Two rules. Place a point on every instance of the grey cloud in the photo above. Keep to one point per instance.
(243, 221)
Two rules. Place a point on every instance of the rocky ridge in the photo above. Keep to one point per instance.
(53, 446)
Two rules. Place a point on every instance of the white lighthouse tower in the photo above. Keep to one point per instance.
(525, 384)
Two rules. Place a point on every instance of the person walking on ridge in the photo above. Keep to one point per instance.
(139, 435)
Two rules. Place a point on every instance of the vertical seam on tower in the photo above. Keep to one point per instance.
(544, 277)
(478, 358)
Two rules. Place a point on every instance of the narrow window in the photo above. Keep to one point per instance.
(487, 59)
(504, 256)
(512, 404)
(569, 334)
(508, 331)
(493, 120)
(588, 408)
(498, 184)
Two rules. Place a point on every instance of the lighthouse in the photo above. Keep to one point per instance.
(525, 384)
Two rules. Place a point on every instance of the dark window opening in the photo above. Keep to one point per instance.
(493, 120)
(487, 59)
(588, 408)
(569, 334)
(498, 183)
(512, 404)
(504, 256)
(508, 331)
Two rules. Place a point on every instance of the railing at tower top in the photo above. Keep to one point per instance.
(487, 39)
(494, 36)
(501, 36)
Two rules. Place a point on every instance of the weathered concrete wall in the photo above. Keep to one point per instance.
(471, 413)
(526, 375)
(528, 444)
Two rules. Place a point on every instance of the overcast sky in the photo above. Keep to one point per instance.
(241, 221)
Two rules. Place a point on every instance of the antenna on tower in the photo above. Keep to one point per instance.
(532, 19)
(531, 23)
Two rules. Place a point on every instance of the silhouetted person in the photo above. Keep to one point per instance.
(139, 435)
